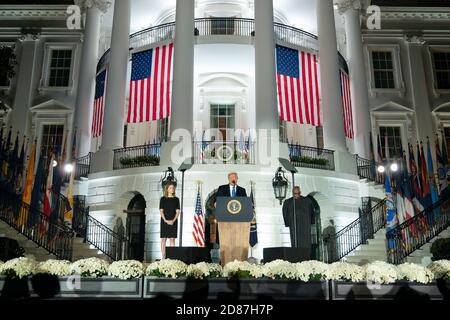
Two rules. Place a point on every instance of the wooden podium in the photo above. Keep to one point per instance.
(234, 215)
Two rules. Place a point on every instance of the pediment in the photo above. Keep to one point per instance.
(51, 106)
(392, 107)
(443, 108)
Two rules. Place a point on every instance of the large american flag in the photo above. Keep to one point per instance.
(150, 85)
(347, 104)
(99, 104)
(298, 86)
(199, 222)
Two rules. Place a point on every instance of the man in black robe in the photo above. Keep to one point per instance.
(304, 213)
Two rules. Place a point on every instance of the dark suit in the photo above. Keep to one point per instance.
(224, 191)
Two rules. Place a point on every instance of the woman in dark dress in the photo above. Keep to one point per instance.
(169, 209)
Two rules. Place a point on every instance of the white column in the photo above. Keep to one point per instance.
(333, 130)
(358, 79)
(265, 72)
(88, 69)
(20, 116)
(113, 119)
(116, 87)
(419, 91)
(183, 67)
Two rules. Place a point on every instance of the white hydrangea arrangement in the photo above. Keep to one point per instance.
(280, 269)
(440, 269)
(91, 267)
(243, 269)
(343, 271)
(415, 273)
(381, 272)
(18, 268)
(204, 270)
(60, 268)
(312, 270)
(167, 268)
(126, 269)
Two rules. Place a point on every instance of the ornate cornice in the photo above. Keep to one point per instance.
(415, 14)
(33, 12)
(102, 5)
(414, 39)
(345, 5)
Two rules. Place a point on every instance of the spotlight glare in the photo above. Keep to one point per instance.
(55, 163)
(68, 168)
(381, 169)
(394, 167)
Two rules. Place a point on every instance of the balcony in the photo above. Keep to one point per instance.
(224, 152)
(309, 157)
(136, 157)
(236, 27)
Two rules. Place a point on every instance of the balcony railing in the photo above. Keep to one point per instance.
(139, 156)
(309, 157)
(224, 152)
(213, 27)
(83, 166)
(367, 169)
(418, 230)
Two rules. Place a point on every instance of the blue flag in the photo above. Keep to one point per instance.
(391, 219)
(253, 227)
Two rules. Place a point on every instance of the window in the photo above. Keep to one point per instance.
(52, 136)
(394, 141)
(222, 118)
(60, 66)
(447, 138)
(224, 26)
(383, 69)
(442, 69)
(8, 62)
(163, 129)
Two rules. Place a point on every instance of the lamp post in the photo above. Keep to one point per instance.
(169, 178)
(186, 165)
(280, 185)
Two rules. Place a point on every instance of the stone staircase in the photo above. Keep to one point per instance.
(32, 250)
(374, 250)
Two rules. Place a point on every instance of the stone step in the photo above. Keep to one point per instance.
(368, 247)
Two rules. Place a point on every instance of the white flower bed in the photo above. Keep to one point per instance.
(415, 273)
(377, 272)
(92, 267)
(243, 269)
(342, 271)
(60, 268)
(381, 272)
(167, 268)
(18, 268)
(204, 270)
(280, 269)
(440, 269)
(127, 269)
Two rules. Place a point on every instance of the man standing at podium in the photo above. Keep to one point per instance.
(231, 189)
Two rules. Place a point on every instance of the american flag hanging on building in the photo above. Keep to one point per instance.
(347, 104)
(150, 85)
(298, 86)
(199, 222)
(99, 104)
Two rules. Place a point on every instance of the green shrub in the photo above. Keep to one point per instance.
(309, 160)
(440, 249)
(140, 161)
